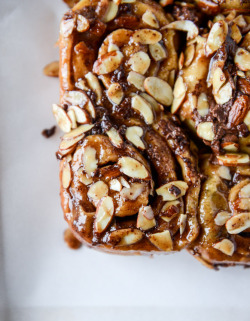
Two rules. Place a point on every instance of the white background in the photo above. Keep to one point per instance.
(40, 278)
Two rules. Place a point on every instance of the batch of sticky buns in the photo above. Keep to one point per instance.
(155, 110)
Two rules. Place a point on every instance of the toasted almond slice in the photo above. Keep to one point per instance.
(179, 94)
(134, 134)
(231, 159)
(170, 210)
(108, 62)
(68, 143)
(62, 118)
(115, 93)
(94, 84)
(124, 182)
(171, 78)
(150, 19)
(75, 98)
(78, 131)
(82, 116)
(156, 106)
(52, 69)
(136, 79)
(82, 23)
(145, 219)
(125, 237)
(244, 204)
(225, 246)
(184, 25)
(245, 191)
(64, 152)
(140, 62)
(240, 21)
(115, 137)
(83, 178)
(147, 36)
(67, 27)
(216, 37)
(218, 80)
(173, 190)
(224, 94)
(89, 161)
(205, 131)
(90, 108)
(159, 90)
(242, 59)
(235, 33)
(238, 223)
(189, 55)
(230, 16)
(133, 192)
(112, 47)
(97, 191)
(230, 147)
(82, 84)
(202, 105)
(182, 223)
(104, 214)
(157, 51)
(241, 74)
(221, 218)
(132, 168)
(143, 107)
(162, 240)
(218, 17)
(72, 117)
(111, 12)
(66, 175)
(224, 172)
(115, 185)
(181, 60)
(165, 3)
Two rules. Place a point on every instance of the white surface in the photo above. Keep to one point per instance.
(40, 278)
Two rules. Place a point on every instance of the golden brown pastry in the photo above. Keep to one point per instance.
(129, 174)
(224, 214)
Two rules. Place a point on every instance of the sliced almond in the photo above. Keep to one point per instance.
(97, 191)
(115, 93)
(189, 55)
(94, 84)
(112, 47)
(184, 25)
(221, 218)
(143, 107)
(104, 214)
(134, 134)
(245, 191)
(108, 62)
(202, 105)
(145, 219)
(205, 131)
(225, 246)
(124, 182)
(244, 204)
(62, 118)
(82, 24)
(82, 84)
(136, 79)
(181, 60)
(115, 185)
(170, 210)
(72, 117)
(115, 137)
(82, 116)
(231, 159)
(224, 172)
(67, 27)
(111, 12)
(83, 178)
(235, 33)
(216, 37)
(179, 94)
(133, 192)
(159, 90)
(238, 223)
(66, 175)
(156, 106)
(132, 168)
(75, 98)
(230, 147)
(125, 237)
(171, 78)
(78, 132)
(173, 190)
(140, 62)
(242, 59)
(90, 108)
(147, 36)
(218, 80)
(240, 21)
(157, 51)
(52, 69)
(224, 94)
(182, 223)
(150, 19)
(89, 160)
(66, 144)
(162, 240)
